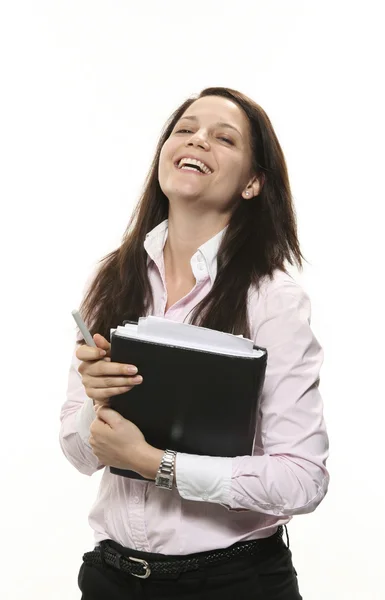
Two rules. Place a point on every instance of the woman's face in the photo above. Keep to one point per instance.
(214, 131)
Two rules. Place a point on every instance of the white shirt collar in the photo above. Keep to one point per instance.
(156, 239)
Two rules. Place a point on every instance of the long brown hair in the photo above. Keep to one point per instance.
(260, 237)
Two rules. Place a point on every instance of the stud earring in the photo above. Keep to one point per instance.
(247, 193)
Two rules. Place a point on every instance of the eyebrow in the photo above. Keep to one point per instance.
(219, 123)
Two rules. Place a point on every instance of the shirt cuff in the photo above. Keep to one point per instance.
(204, 478)
(84, 417)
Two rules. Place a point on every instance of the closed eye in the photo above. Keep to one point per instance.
(219, 138)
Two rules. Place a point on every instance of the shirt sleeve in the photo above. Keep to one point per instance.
(287, 474)
(76, 416)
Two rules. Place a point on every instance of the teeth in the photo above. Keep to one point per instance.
(187, 168)
(193, 161)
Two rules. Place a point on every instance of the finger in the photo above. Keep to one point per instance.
(101, 394)
(87, 353)
(109, 416)
(102, 343)
(106, 368)
(114, 381)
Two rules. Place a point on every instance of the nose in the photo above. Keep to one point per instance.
(197, 140)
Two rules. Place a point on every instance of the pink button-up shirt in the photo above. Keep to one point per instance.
(220, 501)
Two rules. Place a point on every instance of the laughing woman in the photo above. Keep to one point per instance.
(209, 243)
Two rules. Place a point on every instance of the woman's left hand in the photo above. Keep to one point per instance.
(119, 443)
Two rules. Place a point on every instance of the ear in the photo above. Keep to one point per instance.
(254, 187)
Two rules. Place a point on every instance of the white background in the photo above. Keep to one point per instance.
(86, 86)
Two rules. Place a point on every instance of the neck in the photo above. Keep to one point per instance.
(185, 234)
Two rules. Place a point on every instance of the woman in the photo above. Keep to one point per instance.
(207, 244)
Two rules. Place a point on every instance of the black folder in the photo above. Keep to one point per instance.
(190, 400)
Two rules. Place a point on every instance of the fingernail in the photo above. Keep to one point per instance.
(102, 352)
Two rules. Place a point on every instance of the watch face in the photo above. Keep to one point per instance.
(163, 481)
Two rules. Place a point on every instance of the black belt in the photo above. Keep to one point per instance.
(106, 554)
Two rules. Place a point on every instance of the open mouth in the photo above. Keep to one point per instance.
(190, 169)
(192, 166)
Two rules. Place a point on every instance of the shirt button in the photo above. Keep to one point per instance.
(201, 266)
(205, 496)
(136, 499)
(200, 258)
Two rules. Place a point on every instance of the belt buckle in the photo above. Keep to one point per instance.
(145, 565)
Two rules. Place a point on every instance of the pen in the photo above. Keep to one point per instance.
(83, 328)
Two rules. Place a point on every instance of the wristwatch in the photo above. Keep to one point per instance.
(165, 475)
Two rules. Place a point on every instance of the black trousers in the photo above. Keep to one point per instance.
(262, 577)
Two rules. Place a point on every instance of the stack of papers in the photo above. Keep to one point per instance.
(184, 335)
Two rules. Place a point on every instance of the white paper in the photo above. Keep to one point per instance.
(184, 335)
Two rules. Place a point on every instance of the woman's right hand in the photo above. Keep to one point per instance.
(101, 377)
